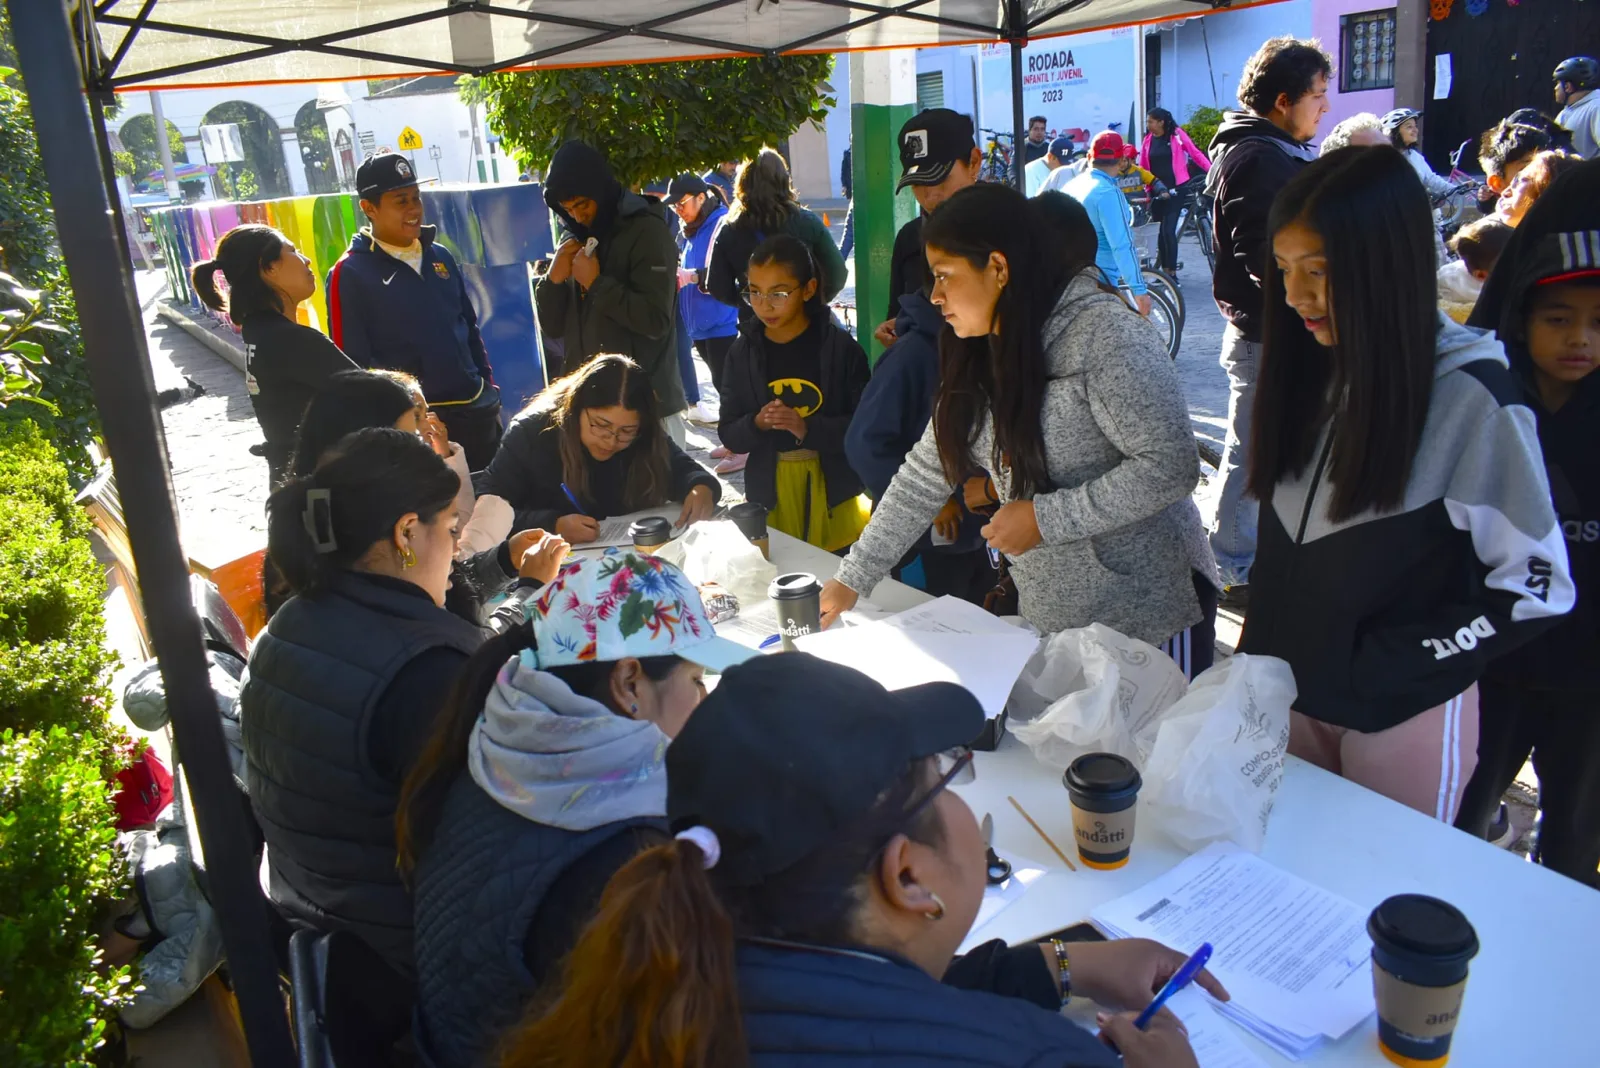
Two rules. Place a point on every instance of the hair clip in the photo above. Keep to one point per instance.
(706, 839)
(317, 520)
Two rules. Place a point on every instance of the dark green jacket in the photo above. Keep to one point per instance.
(730, 257)
(631, 307)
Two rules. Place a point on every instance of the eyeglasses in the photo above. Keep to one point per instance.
(955, 769)
(605, 431)
(776, 299)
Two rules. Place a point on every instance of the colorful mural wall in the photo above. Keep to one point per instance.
(494, 232)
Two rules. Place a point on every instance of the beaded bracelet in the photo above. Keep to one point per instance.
(1063, 969)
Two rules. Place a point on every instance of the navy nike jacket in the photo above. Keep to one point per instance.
(384, 314)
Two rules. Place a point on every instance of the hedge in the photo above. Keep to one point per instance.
(53, 659)
(58, 861)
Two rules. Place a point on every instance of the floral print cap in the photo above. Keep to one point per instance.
(624, 604)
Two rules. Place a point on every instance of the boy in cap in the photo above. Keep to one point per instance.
(397, 301)
(1097, 190)
(1543, 300)
(938, 159)
(1037, 172)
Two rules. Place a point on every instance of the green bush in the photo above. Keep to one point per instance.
(57, 868)
(1201, 126)
(53, 659)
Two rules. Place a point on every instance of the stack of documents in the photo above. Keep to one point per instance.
(1295, 958)
(945, 640)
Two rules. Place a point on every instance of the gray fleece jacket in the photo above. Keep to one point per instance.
(1122, 463)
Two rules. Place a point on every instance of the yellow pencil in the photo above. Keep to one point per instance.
(1046, 837)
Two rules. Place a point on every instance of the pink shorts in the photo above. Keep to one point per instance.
(1423, 763)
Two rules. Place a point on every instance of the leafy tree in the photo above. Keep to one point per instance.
(138, 136)
(312, 130)
(654, 120)
(1202, 125)
(263, 172)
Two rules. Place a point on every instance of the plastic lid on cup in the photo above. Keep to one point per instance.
(794, 586)
(1102, 775)
(1416, 924)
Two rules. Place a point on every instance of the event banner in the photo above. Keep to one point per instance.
(1081, 84)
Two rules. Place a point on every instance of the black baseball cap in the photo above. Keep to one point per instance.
(684, 185)
(931, 143)
(789, 751)
(382, 173)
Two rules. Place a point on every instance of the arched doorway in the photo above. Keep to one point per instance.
(312, 130)
(262, 175)
(347, 158)
(138, 137)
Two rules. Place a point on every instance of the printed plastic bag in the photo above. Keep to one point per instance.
(1218, 757)
(715, 551)
(1092, 689)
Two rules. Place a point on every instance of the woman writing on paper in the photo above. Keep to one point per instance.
(591, 446)
(1407, 533)
(1068, 399)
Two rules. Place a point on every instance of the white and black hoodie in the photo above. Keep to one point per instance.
(1386, 615)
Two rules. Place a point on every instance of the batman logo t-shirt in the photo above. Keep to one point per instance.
(793, 369)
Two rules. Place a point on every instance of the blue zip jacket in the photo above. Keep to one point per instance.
(896, 408)
(384, 314)
(1112, 216)
(703, 314)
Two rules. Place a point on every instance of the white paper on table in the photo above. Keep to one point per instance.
(996, 899)
(951, 615)
(1295, 957)
(614, 531)
(756, 623)
(1441, 76)
(986, 664)
(1212, 1038)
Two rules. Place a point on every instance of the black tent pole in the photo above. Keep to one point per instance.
(119, 369)
(1016, 33)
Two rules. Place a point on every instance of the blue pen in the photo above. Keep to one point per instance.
(768, 643)
(1180, 979)
(571, 497)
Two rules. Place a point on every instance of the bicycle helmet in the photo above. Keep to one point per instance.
(1580, 72)
(1393, 120)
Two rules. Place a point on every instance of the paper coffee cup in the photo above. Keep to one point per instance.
(751, 519)
(1421, 948)
(798, 598)
(649, 535)
(1103, 788)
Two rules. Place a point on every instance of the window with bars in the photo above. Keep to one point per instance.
(1366, 51)
(930, 90)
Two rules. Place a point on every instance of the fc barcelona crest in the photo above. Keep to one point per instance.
(441, 270)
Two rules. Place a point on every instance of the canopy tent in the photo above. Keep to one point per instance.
(188, 43)
(73, 52)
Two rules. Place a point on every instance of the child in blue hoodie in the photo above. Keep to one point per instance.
(1544, 698)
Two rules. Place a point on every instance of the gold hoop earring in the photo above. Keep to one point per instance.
(408, 558)
(938, 905)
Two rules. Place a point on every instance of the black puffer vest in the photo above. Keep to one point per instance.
(315, 677)
(479, 884)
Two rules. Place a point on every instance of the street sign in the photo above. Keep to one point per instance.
(435, 153)
(410, 140)
(222, 143)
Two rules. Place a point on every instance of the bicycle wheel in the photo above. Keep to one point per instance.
(1202, 231)
(1157, 279)
(1165, 316)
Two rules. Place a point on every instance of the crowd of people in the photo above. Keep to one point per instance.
(496, 765)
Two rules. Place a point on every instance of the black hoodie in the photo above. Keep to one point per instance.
(1559, 236)
(1251, 160)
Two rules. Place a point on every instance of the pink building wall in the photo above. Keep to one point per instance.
(1325, 26)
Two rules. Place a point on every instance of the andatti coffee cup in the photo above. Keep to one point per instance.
(1421, 949)
(1103, 788)
(649, 535)
(798, 598)
(751, 519)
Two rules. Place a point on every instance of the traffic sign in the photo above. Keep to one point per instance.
(410, 140)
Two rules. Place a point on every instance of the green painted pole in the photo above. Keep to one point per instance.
(883, 94)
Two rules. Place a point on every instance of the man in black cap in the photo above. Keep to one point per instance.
(396, 300)
(938, 158)
(613, 286)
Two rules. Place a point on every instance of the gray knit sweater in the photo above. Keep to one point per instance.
(1121, 456)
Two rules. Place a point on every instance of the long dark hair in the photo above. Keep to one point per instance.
(764, 199)
(790, 252)
(444, 757)
(347, 402)
(609, 380)
(1004, 373)
(371, 479)
(652, 979)
(1376, 381)
(1164, 117)
(242, 254)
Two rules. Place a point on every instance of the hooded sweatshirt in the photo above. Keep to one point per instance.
(1386, 615)
(632, 306)
(1251, 160)
(1559, 235)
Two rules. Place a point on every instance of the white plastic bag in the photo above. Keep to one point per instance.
(715, 551)
(1218, 757)
(1092, 689)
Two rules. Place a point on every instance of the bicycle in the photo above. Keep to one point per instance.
(997, 156)
(1195, 217)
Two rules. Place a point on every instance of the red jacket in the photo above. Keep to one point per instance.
(1183, 150)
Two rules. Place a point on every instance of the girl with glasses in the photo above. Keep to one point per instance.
(793, 381)
(591, 446)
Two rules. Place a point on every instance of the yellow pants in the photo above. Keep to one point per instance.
(802, 510)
